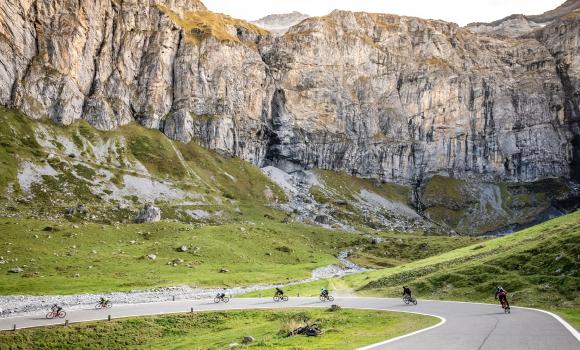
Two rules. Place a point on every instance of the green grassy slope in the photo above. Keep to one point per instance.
(472, 207)
(107, 171)
(343, 329)
(109, 258)
(539, 267)
(66, 258)
(395, 249)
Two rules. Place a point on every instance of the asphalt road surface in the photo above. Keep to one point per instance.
(462, 326)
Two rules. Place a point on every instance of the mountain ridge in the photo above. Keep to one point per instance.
(518, 24)
(280, 23)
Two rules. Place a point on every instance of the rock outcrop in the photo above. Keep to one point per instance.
(148, 214)
(394, 98)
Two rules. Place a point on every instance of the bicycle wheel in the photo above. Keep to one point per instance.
(62, 314)
(217, 300)
(276, 298)
(98, 306)
(330, 298)
(414, 301)
(109, 305)
(322, 298)
(284, 298)
(50, 315)
(406, 300)
(226, 299)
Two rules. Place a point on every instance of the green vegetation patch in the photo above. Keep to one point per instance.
(155, 151)
(396, 249)
(538, 267)
(342, 329)
(475, 208)
(87, 161)
(92, 258)
(198, 25)
(339, 190)
(233, 177)
(17, 140)
(444, 192)
(345, 186)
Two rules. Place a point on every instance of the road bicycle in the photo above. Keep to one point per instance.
(326, 297)
(280, 298)
(220, 298)
(409, 300)
(56, 314)
(106, 305)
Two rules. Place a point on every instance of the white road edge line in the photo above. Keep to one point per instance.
(372, 346)
(566, 325)
(367, 347)
(558, 318)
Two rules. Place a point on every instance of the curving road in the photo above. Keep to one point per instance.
(463, 326)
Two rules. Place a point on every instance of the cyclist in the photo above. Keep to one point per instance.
(324, 292)
(501, 294)
(56, 308)
(103, 301)
(407, 291)
(279, 292)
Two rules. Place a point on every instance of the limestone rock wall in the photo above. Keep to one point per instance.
(381, 96)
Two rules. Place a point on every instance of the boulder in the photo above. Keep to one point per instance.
(248, 339)
(151, 256)
(16, 270)
(148, 214)
(377, 240)
(224, 270)
(322, 219)
(334, 307)
(182, 249)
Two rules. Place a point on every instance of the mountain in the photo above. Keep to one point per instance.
(516, 25)
(280, 23)
(483, 130)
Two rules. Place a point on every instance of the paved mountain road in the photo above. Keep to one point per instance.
(463, 326)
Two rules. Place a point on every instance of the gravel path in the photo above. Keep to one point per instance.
(13, 305)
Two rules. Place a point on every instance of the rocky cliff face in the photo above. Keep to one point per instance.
(394, 98)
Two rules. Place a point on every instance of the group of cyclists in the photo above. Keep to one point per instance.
(500, 293)
(56, 311)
